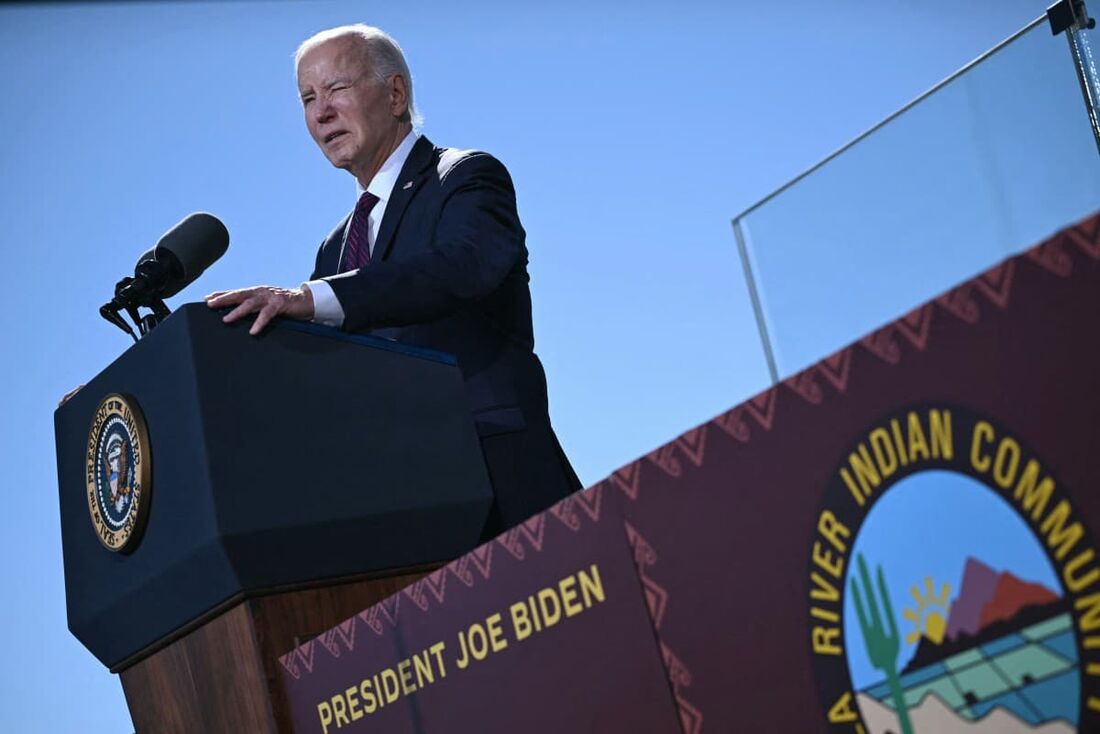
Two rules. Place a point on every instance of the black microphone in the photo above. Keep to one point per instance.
(179, 257)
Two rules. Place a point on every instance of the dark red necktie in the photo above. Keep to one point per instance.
(357, 248)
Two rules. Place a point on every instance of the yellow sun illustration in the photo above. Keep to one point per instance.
(930, 617)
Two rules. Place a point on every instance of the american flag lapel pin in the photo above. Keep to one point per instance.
(408, 185)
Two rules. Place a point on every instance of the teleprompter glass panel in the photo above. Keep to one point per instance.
(994, 160)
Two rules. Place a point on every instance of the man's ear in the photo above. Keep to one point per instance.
(399, 96)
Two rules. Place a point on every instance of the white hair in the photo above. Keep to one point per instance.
(382, 55)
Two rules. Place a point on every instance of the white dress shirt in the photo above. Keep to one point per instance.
(326, 307)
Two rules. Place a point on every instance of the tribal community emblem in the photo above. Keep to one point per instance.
(953, 586)
(118, 472)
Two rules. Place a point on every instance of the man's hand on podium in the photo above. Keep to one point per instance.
(266, 301)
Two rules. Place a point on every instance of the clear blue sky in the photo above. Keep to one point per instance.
(634, 132)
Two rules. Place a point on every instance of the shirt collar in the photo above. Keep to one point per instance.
(383, 182)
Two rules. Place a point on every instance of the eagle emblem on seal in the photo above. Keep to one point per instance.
(118, 472)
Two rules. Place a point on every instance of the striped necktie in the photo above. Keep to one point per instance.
(357, 249)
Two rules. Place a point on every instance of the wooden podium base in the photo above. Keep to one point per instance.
(222, 674)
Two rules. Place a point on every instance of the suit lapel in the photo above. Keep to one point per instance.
(339, 244)
(413, 175)
(332, 250)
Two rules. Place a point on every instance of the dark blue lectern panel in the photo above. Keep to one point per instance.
(296, 456)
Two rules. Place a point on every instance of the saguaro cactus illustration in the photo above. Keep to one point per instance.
(880, 635)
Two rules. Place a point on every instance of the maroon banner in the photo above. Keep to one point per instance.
(525, 633)
(900, 538)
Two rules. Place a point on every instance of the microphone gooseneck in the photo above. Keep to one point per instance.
(177, 259)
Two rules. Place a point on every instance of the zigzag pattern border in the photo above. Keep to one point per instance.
(475, 567)
(964, 302)
(657, 598)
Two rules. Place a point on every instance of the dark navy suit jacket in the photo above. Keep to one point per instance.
(449, 271)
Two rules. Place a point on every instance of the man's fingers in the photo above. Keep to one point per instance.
(268, 312)
(226, 298)
(249, 305)
(266, 302)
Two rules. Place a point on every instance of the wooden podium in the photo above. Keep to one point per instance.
(222, 675)
(225, 497)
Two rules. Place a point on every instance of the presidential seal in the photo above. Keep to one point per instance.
(118, 472)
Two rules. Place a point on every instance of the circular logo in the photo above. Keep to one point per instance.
(118, 472)
(953, 584)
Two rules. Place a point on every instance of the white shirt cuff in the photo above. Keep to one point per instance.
(326, 307)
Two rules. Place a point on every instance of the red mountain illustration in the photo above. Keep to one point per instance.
(1011, 596)
(978, 584)
(987, 596)
(989, 605)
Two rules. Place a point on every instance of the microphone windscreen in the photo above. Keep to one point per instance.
(197, 242)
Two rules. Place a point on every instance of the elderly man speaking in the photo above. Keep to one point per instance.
(433, 255)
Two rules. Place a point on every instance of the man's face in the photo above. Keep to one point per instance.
(352, 117)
